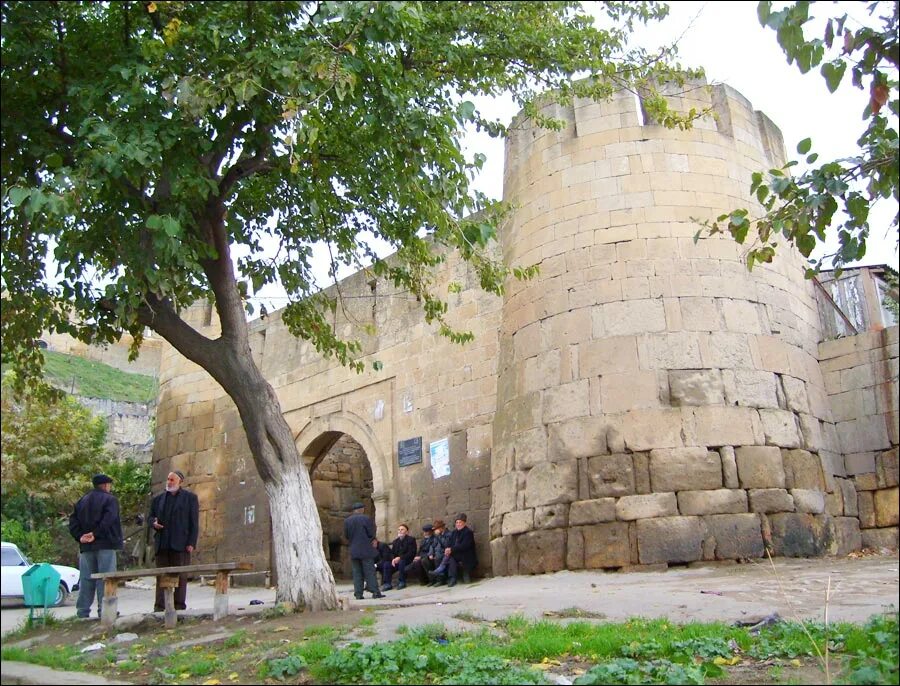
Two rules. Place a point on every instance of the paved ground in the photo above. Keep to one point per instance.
(859, 588)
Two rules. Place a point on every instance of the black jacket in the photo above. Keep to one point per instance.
(359, 530)
(97, 512)
(462, 546)
(382, 553)
(404, 548)
(182, 527)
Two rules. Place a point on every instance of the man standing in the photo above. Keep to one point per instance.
(359, 530)
(461, 551)
(95, 524)
(175, 515)
(403, 550)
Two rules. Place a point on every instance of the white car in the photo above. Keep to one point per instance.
(15, 564)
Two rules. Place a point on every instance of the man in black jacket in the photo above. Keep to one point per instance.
(175, 515)
(403, 550)
(461, 551)
(95, 524)
(359, 529)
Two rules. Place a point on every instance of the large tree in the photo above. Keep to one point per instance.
(834, 195)
(153, 152)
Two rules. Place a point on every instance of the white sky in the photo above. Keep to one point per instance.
(725, 38)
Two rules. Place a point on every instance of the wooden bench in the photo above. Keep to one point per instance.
(168, 580)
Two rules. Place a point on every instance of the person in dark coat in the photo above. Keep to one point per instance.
(428, 555)
(175, 516)
(403, 550)
(359, 530)
(95, 524)
(461, 551)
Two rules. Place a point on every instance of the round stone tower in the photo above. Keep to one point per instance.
(657, 403)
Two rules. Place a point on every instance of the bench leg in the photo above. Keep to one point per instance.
(169, 583)
(220, 602)
(110, 609)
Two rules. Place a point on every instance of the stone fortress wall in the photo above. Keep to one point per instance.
(644, 401)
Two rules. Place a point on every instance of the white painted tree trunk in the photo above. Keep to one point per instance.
(303, 572)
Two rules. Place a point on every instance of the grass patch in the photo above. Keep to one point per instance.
(367, 621)
(236, 640)
(97, 380)
(469, 617)
(59, 657)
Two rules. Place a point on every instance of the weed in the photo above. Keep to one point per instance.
(627, 671)
(876, 660)
(367, 621)
(60, 657)
(574, 613)
(469, 617)
(280, 610)
(281, 667)
(128, 666)
(236, 639)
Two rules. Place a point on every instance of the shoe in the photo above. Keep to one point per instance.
(431, 574)
(158, 609)
(358, 597)
(401, 585)
(387, 587)
(181, 608)
(375, 596)
(467, 579)
(451, 581)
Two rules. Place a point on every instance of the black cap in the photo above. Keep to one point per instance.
(100, 479)
(179, 474)
(428, 527)
(357, 506)
(461, 517)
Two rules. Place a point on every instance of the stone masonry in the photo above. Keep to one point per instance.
(645, 400)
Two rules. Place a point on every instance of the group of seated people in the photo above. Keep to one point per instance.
(439, 559)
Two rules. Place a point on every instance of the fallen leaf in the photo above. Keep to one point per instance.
(280, 628)
(233, 676)
(211, 682)
(795, 663)
(184, 675)
(718, 660)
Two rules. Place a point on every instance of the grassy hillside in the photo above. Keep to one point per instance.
(97, 380)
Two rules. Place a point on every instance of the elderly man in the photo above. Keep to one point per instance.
(359, 529)
(175, 516)
(95, 524)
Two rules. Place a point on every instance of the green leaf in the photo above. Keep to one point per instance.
(16, 195)
(804, 146)
(833, 72)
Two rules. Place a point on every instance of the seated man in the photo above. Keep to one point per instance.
(438, 575)
(428, 556)
(403, 550)
(459, 553)
(382, 554)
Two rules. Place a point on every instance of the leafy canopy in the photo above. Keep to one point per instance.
(836, 193)
(130, 130)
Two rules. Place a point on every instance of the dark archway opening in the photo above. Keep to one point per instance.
(340, 477)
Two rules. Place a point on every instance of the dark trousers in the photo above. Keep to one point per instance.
(454, 567)
(363, 570)
(387, 571)
(421, 567)
(172, 558)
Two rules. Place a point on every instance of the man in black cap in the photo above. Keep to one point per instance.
(175, 516)
(429, 555)
(95, 524)
(461, 551)
(359, 530)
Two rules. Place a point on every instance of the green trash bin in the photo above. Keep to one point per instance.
(40, 585)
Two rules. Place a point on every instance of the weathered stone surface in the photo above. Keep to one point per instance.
(760, 466)
(606, 545)
(795, 394)
(766, 500)
(735, 536)
(695, 387)
(802, 469)
(499, 551)
(518, 522)
(641, 473)
(541, 552)
(566, 401)
(866, 505)
(886, 468)
(575, 548)
(552, 483)
(678, 469)
(717, 426)
(531, 448)
(631, 507)
(583, 437)
(881, 538)
(750, 388)
(592, 511)
(866, 482)
(847, 537)
(780, 428)
(886, 507)
(496, 527)
(669, 539)
(720, 501)
(504, 492)
(611, 475)
(648, 429)
(800, 534)
(808, 501)
(551, 516)
(729, 467)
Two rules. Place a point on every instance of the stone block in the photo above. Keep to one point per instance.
(628, 391)
(669, 539)
(531, 448)
(886, 468)
(499, 552)
(721, 501)
(750, 388)
(583, 437)
(766, 500)
(504, 491)
(611, 475)
(566, 401)
(795, 394)
(800, 534)
(641, 473)
(632, 507)
(880, 538)
(717, 426)
(848, 497)
(780, 428)
(735, 536)
(678, 469)
(518, 522)
(551, 483)
(592, 511)
(808, 501)
(866, 505)
(680, 350)
(760, 467)
(575, 549)
(496, 527)
(648, 429)
(866, 482)
(628, 318)
(695, 387)
(541, 552)
(607, 356)
(606, 545)
(847, 537)
(802, 469)
(886, 507)
(551, 516)
(834, 504)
